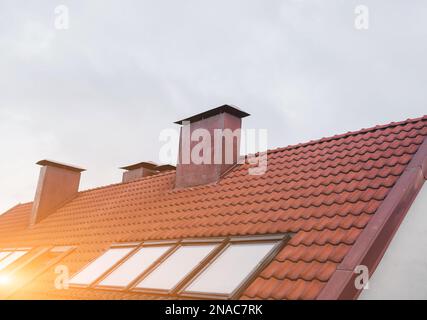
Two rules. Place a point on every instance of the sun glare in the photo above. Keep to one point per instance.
(4, 280)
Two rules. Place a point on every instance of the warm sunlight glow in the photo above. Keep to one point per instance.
(5, 280)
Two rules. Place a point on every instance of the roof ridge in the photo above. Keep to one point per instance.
(347, 134)
(10, 209)
(279, 149)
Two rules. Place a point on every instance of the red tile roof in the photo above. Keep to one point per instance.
(324, 192)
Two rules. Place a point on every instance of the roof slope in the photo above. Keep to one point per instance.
(324, 192)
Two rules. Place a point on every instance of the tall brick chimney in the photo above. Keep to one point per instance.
(206, 135)
(58, 184)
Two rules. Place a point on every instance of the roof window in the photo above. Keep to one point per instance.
(230, 268)
(180, 263)
(196, 268)
(10, 257)
(134, 266)
(100, 265)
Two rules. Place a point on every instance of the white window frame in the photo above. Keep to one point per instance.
(154, 264)
(11, 252)
(279, 240)
(179, 290)
(189, 274)
(133, 246)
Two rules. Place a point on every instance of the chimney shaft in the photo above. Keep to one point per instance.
(205, 127)
(58, 184)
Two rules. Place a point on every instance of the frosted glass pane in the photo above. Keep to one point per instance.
(225, 274)
(3, 254)
(100, 266)
(134, 266)
(11, 259)
(169, 273)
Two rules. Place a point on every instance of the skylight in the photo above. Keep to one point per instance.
(98, 267)
(217, 267)
(11, 258)
(174, 269)
(134, 266)
(227, 272)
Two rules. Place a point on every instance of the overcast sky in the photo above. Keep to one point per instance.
(99, 93)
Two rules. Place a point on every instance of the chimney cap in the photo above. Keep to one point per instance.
(165, 167)
(207, 114)
(146, 165)
(61, 165)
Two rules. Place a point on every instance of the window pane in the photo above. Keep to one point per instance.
(134, 266)
(100, 266)
(4, 254)
(227, 272)
(169, 273)
(11, 259)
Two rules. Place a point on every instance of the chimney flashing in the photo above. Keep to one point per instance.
(227, 108)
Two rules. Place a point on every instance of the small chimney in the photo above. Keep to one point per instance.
(165, 167)
(206, 128)
(58, 184)
(139, 170)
